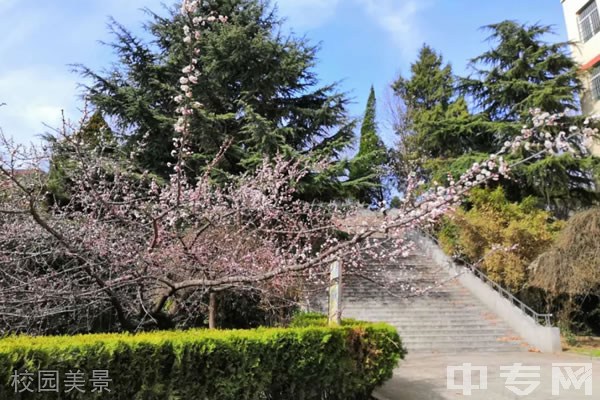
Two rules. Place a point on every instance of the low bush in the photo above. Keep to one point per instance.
(310, 362)
(569, 272)
(306, 319)
(506, 237)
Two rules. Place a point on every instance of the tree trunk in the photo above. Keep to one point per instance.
(212, 310)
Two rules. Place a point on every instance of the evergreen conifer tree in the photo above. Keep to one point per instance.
(521, 71)
(439, 120)
(367, 168)
(95, 134)
(257, 86)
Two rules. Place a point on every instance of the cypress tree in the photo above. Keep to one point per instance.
(367, 168)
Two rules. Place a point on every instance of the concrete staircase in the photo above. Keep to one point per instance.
(432, 312)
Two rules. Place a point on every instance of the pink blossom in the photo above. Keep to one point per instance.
(141, 243)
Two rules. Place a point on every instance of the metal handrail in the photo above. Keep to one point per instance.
(545, 319)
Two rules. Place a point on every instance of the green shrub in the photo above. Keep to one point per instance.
(306, 319)
(396, 202)
(570, 337)
(313, 362)
(492, 221)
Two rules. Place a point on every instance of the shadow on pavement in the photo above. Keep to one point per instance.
(399, 388)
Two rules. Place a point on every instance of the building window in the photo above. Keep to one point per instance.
(595, 82)
(589, 21)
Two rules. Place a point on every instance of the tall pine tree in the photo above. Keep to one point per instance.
(367, 168)
(521, 71)
(257, 86)
(438, 127)
(439, 120)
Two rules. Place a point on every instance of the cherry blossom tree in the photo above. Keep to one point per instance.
(146, 253)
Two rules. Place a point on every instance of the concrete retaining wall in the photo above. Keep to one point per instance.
(545, 339)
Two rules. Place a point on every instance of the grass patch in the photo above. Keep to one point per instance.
(584, 345)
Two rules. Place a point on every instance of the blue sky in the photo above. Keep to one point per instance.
(363, 42)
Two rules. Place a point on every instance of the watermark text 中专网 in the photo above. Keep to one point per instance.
(522, 380)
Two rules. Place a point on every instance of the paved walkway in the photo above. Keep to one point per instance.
(424, 377)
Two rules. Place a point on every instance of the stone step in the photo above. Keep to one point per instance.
(420, 311)
(479, 341)
(399, 277)
(465, 349)
(444, 304)
(453, 331)
(381, 266)
(432, 326)
(390, 271)
(439, 286)
(399, 298)
(405, 288)
(389, 268)
(421, 317)
(411, 294)
(435, 325)
(413, 288)
(462, 347)
(375, 271)
(407, 298)
(426, 321)
(459, 337)
(402, 303)
(427, 315)
(444, 318)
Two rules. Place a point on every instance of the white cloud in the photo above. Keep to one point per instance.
(14, 32)
(34, 96)
(307, 13)
(400, 18)
(36, 93)
(6, 4)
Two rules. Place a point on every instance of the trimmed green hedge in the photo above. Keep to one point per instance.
(305, 319)
(312, 362)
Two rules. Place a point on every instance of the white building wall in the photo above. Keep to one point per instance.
(583, 53)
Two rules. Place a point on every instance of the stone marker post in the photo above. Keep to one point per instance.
(335, 293)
